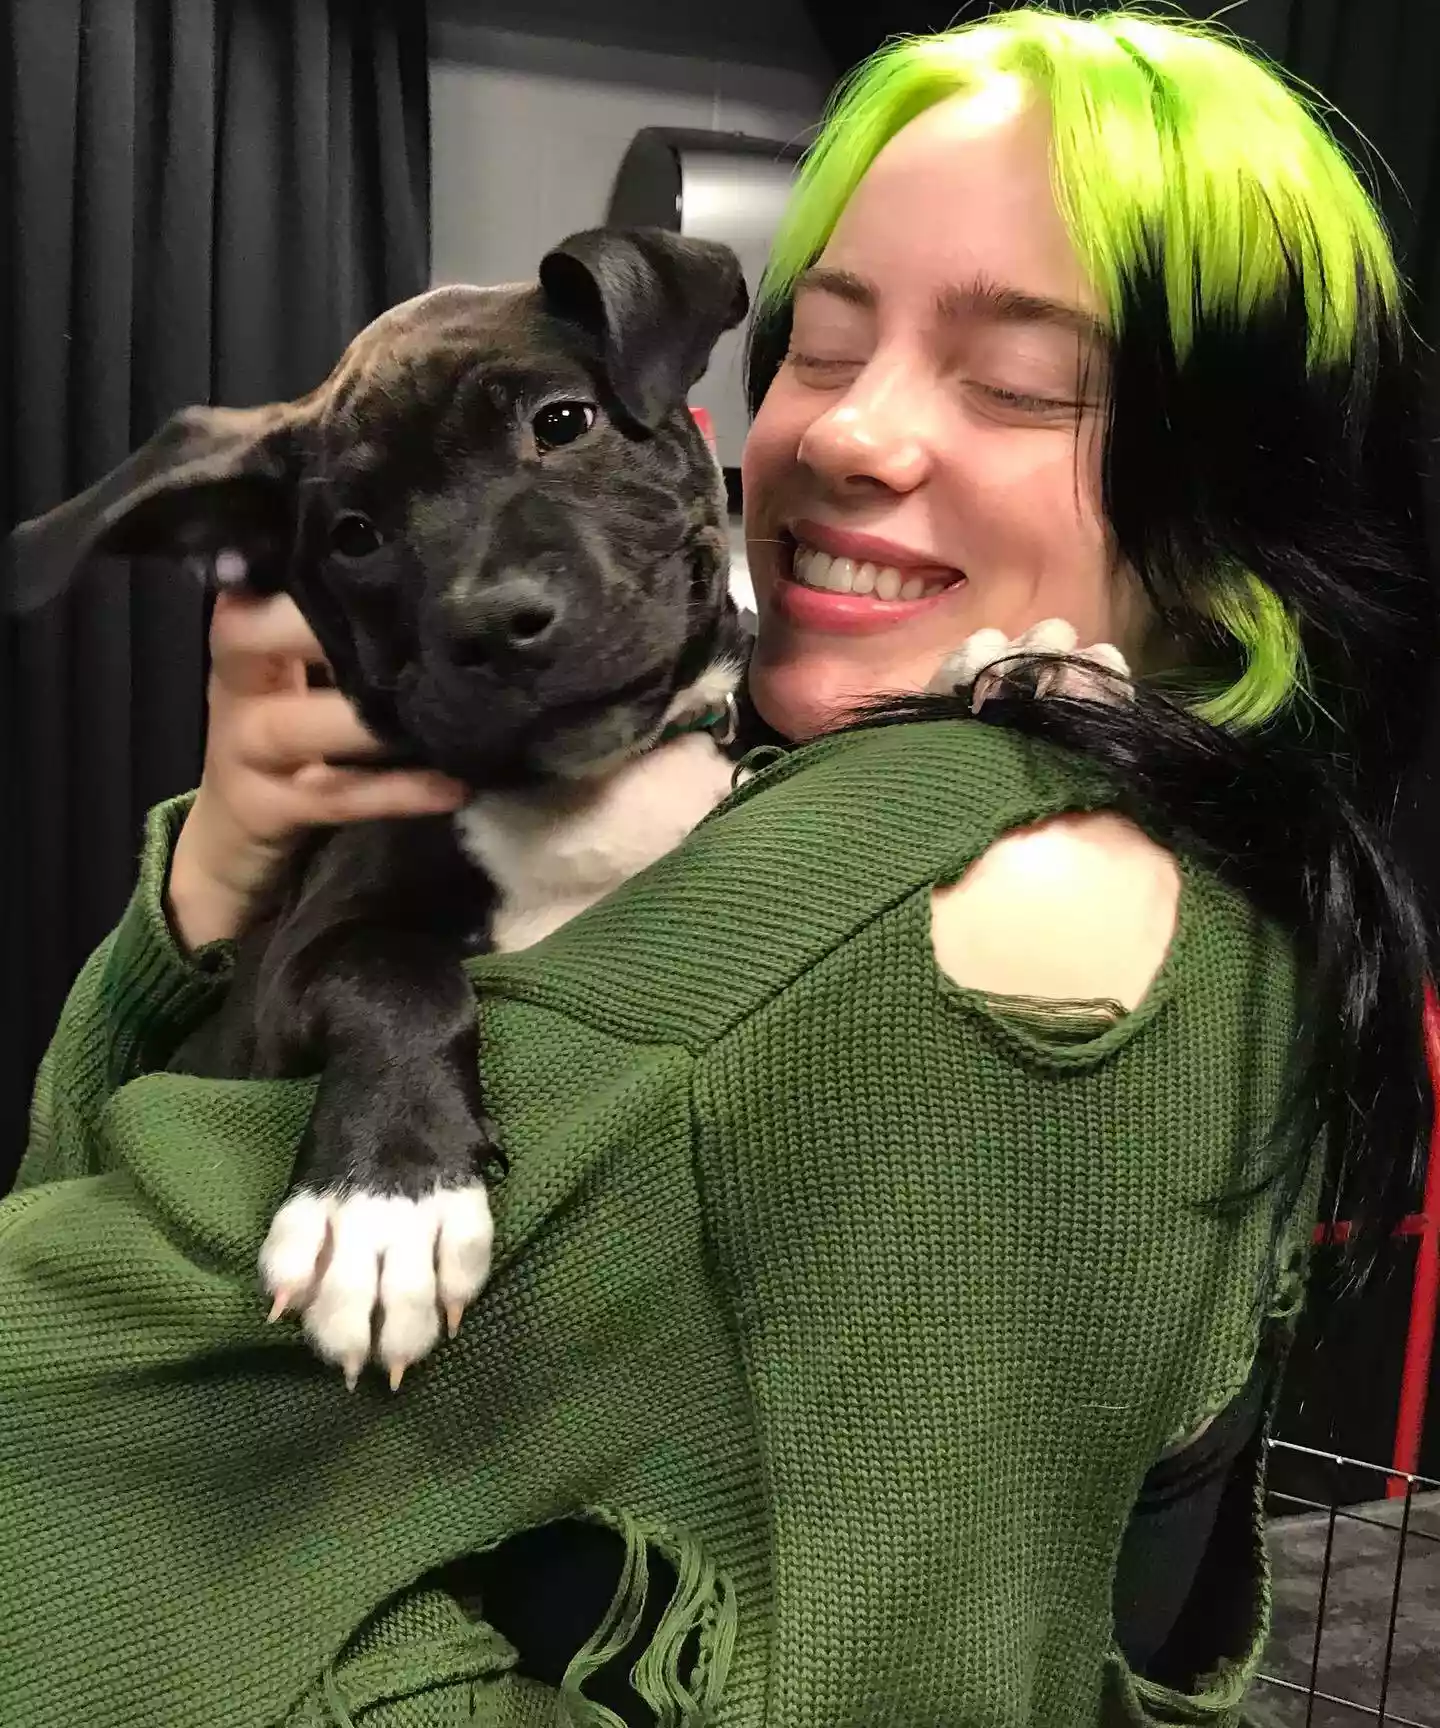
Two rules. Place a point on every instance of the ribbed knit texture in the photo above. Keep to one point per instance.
(132, 1004)
(867, 1306)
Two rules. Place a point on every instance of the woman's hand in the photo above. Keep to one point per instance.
(266, 777)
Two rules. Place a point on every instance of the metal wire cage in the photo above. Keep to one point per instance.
(1356, 1605)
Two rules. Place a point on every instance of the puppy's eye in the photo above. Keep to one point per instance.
(562, 423)
(355, 536)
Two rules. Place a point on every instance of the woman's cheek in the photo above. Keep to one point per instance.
(771, 453)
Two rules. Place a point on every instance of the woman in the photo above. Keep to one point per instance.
(912, 1174)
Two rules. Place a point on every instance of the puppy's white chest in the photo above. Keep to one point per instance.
(551, 854)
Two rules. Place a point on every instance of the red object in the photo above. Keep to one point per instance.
(1425, 1288)
(1425, 1292)
(706, 424)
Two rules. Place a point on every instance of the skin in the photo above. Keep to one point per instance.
(265, 777)
(912, 409)
(917, 406)
(898, 416)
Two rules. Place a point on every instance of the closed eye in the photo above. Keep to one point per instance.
(1024, 400)
(814, 363)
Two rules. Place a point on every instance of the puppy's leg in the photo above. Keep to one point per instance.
(363, 982)
(387, 1226)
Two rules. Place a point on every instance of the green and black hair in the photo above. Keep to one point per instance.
(1261, 478)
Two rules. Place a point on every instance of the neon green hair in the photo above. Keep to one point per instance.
(1162, 130)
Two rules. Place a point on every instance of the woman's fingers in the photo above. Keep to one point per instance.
(258, 645)
(290, 735)
(286, 729)
(368, 795)
(276, 738)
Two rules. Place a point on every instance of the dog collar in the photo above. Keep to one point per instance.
(722, 722)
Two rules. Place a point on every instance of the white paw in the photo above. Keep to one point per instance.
(970, 666)
(373, 1273)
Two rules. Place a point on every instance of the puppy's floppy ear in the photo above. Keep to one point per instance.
(210, 479)
(656, 303)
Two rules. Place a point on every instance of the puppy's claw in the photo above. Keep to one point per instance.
(362, 1261)
(454, 1314)
(960, 670)
(1098, 673)
(295, 1250)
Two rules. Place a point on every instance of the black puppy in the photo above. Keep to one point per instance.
(505, 528)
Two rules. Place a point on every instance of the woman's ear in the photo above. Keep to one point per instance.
(210, 479)
(655, 302)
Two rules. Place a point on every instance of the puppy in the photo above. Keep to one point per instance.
(509, 535)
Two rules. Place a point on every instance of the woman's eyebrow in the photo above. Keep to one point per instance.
(998, 303)
(992, 302)
(843, 284)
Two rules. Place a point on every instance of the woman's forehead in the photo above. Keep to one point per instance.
(964, 193)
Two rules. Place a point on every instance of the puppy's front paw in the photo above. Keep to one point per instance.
(1098, 673)
(373, 1273)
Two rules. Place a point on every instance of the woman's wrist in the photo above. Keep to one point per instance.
(213, 879)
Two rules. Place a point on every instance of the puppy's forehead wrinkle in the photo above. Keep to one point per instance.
(449, 520)
(454, 314)
(428, 344)
(404, 381)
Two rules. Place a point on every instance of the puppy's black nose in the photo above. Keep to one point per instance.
(512, 619)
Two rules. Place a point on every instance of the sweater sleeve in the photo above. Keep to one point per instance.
(136, 998)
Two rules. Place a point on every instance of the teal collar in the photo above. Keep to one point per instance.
(722, 722)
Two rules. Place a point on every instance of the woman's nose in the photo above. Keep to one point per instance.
(873, 437)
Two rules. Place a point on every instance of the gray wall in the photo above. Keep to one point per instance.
(533, 106)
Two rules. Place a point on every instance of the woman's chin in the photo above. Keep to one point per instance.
(806, 694)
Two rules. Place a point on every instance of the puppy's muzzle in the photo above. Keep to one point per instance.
(512, 623)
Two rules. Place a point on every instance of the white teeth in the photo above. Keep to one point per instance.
(813, 568)
(818, 569)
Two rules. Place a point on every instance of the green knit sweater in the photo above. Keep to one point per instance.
(866, 1307)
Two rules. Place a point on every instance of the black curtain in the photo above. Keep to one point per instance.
(202, 201)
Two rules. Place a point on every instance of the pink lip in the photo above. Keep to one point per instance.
(868, 549)
(853, 614)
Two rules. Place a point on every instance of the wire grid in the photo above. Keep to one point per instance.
(1356, 1635)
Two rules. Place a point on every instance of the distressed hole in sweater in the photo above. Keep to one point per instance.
(548, 1590)
(1189, 1583)
(1078, 909)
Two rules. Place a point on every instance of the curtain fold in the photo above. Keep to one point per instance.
(202, 201)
